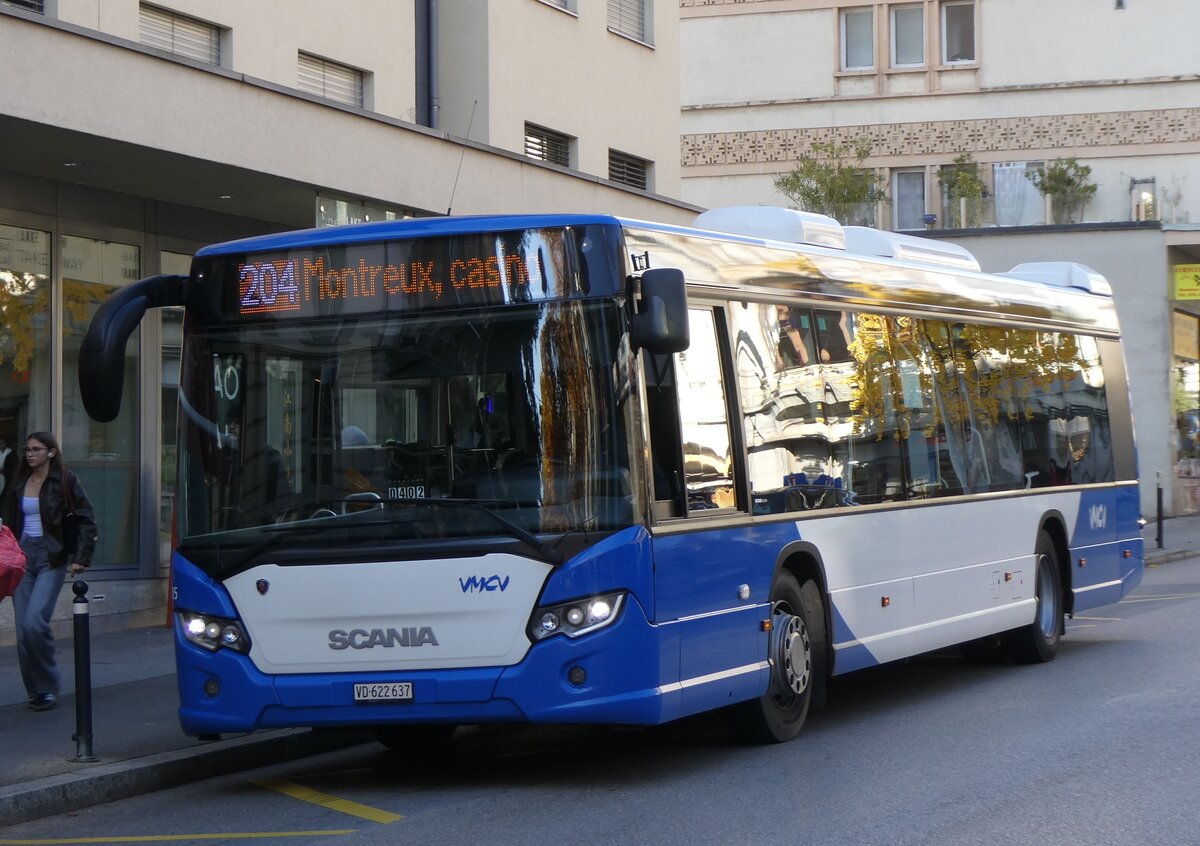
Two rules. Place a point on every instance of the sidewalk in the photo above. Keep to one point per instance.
(136, 736)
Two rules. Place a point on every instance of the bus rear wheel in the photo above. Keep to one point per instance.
(1037, 643)
(797, 650)
(417, 739)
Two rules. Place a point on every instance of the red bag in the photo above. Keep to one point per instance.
(12, 562)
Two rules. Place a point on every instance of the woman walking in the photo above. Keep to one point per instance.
(34, 506)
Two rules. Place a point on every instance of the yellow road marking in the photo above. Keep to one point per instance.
(345, 806)
(169, 838)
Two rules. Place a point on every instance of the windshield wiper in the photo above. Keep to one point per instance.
(549, 553)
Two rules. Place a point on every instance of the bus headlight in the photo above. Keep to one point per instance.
(576, 618)
(212, 632)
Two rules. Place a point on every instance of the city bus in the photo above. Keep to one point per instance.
(575, 468)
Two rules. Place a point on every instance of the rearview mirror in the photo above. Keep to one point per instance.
(661, 322)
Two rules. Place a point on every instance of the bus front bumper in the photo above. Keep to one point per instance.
(615, 675)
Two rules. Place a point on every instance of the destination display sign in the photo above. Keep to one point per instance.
(485, 269)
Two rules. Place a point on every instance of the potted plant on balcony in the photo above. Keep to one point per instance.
(1068, 187)
(962, 186)
(834, 180)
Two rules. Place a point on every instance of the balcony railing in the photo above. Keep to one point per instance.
(1030, 209)
(1111, 206)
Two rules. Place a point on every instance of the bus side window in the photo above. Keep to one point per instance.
(783, 397)
(703, 417)
(662, 401)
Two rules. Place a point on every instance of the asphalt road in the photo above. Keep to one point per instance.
(1097, 747)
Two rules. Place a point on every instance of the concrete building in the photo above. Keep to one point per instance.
(1016, 85)
(134, 133)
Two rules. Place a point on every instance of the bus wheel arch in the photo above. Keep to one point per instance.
(804, 562)
(798, 651)
(1038, 641)
(1055, 526)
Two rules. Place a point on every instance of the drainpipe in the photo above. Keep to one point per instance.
(435, 105)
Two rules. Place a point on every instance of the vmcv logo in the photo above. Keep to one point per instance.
(481, 583)
(1097, 516)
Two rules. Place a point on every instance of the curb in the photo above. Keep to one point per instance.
(121, 779)
(1162, 556)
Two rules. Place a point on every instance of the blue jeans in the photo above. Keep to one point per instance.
(33, 605)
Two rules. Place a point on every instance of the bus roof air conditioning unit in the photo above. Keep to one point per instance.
(876, 242)
(1062, 274)
(775, 224)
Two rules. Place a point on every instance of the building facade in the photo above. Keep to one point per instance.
(135, 133)
(1016, 86)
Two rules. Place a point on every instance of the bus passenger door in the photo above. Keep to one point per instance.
(702, 559)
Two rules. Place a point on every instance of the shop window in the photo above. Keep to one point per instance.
(25, 378)
(106, 456)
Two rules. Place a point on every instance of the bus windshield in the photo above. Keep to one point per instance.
(508, 420)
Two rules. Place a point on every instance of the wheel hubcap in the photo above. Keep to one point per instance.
(1046, 598)
(791, 653)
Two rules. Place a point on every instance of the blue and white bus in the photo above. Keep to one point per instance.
(583, 469)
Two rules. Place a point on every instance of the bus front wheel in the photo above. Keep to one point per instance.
(1038, 642)
(797, 650)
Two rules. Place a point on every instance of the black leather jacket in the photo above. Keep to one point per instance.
(53, 506)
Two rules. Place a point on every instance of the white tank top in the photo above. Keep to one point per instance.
(33, 517)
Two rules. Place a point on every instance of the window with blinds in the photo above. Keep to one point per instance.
(547, 145)
(628, 170)
(330, 80)
(179, 35)
(628, 17)
(38, 6)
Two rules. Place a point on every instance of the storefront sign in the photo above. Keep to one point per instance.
(1187, 281)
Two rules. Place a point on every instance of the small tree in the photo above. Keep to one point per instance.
(1069, 186)
(833, 181)
(962, 185)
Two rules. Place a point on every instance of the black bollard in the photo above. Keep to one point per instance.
(1158, 496)
(83, 676)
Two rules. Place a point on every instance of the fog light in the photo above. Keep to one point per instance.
(575, 616)
(212, 687)
(549, 622)
(576, 676)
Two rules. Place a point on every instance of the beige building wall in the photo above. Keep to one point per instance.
(1120, 95)
(603, 90)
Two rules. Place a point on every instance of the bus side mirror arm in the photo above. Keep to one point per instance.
(102, 353)
(661, 322)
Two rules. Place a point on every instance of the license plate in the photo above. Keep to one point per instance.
(384, 692)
